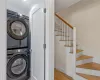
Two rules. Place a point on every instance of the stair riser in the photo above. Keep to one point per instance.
(88, 71)
(77, 77)
(84, 61)
(79, 54)
(96, 59)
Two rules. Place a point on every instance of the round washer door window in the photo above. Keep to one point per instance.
(17, 28)
(17, 66)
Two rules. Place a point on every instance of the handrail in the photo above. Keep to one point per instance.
(64, 21)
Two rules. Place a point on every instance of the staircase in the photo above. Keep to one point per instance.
(84, 67)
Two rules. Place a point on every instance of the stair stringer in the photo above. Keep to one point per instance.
(63, 57)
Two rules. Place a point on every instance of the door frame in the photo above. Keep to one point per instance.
(49, 39)
(49, 52)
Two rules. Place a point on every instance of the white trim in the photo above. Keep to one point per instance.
(74, 51)
(49, 39)
(34, 9)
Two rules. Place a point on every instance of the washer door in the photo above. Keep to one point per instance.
(17, 66)
(17, 28)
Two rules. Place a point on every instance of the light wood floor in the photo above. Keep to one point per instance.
(61, 76)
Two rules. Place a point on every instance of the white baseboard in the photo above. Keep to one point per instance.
(62, 70)
(77, 77)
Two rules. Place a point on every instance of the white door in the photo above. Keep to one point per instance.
(37, 41)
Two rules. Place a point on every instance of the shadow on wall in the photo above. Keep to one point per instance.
(83, 4)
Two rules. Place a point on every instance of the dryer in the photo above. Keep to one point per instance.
(17, 30)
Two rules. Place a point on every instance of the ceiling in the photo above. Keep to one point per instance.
(22, 6)
(63, 4)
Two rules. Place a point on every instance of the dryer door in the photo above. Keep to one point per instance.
(17, 28)
(17, 66)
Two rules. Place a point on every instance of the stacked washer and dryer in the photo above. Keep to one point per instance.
(18, 46)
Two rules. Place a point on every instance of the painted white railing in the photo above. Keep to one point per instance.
(67, 33)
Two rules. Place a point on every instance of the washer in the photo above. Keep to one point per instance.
(18, 64)
(17, 30)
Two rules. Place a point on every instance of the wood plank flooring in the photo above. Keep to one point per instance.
(83, 57)
(61, 76)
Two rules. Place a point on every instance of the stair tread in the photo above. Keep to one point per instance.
(89, 77)
(78, 51)
(83, 57)
(92, 65)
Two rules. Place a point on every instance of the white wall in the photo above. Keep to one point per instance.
(62, 4)
(60, 54)
(2, 40)
(85, 16)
